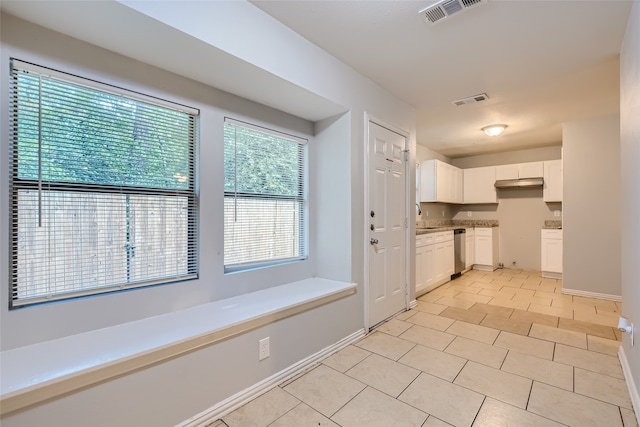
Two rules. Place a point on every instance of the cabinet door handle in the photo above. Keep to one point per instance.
(373, 241)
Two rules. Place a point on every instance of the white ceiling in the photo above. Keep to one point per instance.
(541, 63)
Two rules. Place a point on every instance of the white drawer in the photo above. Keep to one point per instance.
(483, 232)
(470, 232)
(552, 234)
(443, 236)
(420, 240)
(429, 238)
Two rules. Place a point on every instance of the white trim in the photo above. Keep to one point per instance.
(368, 118)
(264, 129)
(631, 385)
(482, 267)
(232, 403)
(413, 304)
(580, 293)
(100, 355)
(551, 275)
(365, 254)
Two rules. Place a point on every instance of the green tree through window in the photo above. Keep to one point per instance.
(102, 188)
(264, 186)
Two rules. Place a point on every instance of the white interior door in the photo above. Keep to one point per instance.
(387, 230)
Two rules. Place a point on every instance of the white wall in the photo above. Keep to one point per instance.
(329, 155)
(174, 391)
(423, 153)
(630, 165)
(591, 205)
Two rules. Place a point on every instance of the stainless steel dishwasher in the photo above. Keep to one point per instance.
(459, 250)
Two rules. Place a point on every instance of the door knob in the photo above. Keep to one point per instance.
(373, 241)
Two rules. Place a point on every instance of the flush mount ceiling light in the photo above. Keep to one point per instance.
(494, 130)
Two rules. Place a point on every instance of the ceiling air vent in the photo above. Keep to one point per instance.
(445, 8)
(471, 100)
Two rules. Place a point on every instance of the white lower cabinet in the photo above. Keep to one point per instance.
(434, 260)
(424, 263)
(470, 248)
(444, 261)
(551, 262)
(486, 248)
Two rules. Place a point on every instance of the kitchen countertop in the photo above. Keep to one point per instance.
(429, 230)
(552, 225)
(426, 227)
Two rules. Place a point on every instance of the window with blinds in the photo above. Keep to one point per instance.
(102, 187)
(264, 196)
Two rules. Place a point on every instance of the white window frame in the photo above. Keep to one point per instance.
(172, 197)
(247, 239)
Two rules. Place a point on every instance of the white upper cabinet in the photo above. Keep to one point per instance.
(530, 170)
(506, 172)
(520, 170)
(458, 185)
(440, 182)
(479, 185)
(552, 190)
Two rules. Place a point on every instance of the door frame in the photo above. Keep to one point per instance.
(368, 119)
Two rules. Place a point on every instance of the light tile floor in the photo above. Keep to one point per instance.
(502, 348)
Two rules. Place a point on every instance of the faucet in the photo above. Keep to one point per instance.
(419, 210)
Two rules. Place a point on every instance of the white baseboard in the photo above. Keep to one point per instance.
(413, 304)
(232, 403)
(580, 293)
(631, 385)
(551, 275)
(483, 267)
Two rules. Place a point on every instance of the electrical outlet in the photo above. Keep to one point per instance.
(263, 348)
(468, 213)
(442, 213)
(556, 213)
(624, 326)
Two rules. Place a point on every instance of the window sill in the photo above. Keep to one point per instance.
(28, 378)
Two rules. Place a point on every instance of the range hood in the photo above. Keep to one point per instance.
(519, 183)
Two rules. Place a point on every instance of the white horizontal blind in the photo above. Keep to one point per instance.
(102, 189)
(264, 196)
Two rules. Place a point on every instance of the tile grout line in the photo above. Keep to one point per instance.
(300, 402)
(526, 408)
(330, 417)
(479, 409)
